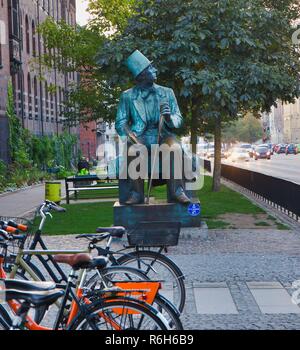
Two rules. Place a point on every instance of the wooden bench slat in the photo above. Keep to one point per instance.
(92, 188)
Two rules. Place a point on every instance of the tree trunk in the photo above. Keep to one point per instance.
(217, 161)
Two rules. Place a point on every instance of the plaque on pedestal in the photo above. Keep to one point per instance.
(130, 215)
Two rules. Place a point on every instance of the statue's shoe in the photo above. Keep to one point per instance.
(132, 200)
(182, 198)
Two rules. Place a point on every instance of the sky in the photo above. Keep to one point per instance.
(82, 15)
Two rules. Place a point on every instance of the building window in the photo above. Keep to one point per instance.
(47, 101)
(29, 92)
(33, 40)
(19, 93)
(51, 106)
(27, 35)
(15, 19)
(35, 89)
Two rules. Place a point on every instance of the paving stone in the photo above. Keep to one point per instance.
(264, 285)
(214, 301)
(274, 301)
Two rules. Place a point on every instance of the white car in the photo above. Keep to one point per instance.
(240, 154)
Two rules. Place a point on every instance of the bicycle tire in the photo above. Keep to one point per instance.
(39, 312)
(167, 309)
(142, 255)
(111, 309)
(5, 320)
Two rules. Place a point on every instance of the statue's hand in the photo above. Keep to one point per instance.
(133, 138)
(166, 112)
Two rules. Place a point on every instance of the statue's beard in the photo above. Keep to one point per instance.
(146, 80)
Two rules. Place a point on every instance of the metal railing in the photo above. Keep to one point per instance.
(283, 195)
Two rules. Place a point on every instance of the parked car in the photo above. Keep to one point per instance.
(262, 152)
(240, 154)
(246, 146)
(211, 153)
(291, 149)
(252, 151)
(280, 148)
(269, 146)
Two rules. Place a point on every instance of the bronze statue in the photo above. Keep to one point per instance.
(148, 114)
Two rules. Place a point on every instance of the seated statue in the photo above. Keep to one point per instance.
(148, 114)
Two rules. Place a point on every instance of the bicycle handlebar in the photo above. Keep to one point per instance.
(53, 206)
(20, 227)
(6, 236)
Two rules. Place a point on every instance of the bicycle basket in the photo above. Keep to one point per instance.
(154, 234)
(143, 291)
(30, 223)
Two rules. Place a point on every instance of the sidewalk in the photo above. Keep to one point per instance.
(235, 279)
(22, 202)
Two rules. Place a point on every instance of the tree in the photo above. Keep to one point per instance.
(248, 129)
(223, 58)
(111, 16)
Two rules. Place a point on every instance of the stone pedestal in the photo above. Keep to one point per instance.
(129, 216)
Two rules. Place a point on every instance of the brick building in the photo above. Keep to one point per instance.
(88, 140)
(37, 105)
(4, 76)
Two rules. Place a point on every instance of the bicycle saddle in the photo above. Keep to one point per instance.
(28, 286)
(115, 231)
(34, 298)
(81, 261)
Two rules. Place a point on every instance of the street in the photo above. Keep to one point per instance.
(280, 165)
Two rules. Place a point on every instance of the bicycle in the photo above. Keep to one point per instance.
(137, 254)
(105, 276)
(111, 307)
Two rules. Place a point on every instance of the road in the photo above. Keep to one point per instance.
(280, 166)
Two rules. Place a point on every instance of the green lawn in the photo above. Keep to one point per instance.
(85, 217)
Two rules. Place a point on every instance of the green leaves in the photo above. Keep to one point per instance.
(224, 56)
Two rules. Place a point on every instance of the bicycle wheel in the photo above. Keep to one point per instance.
(122, 314)
(124, 273)
(159, 267)
(169, 311)
(5, 320)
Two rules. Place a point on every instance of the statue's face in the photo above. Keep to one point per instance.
(149, 75)
(152, 73)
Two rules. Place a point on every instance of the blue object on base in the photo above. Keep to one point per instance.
(194, 209)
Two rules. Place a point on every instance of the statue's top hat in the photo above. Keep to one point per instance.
(137, 62)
